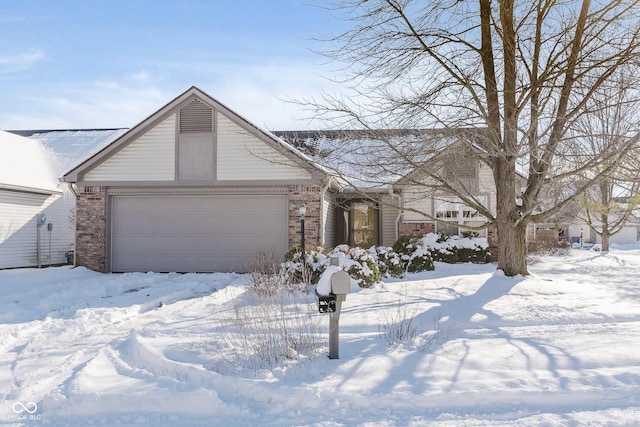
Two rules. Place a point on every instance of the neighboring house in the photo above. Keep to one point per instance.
(572, 232)
(395, 200)
(196, 188)
(29, 190)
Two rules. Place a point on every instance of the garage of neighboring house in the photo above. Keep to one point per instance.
(196, 188)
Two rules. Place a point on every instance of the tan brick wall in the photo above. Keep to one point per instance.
(91, 228)
(415, 228)
(310, 195)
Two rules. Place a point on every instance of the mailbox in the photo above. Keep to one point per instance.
(327, 303)
(332, 290)
(340, 283)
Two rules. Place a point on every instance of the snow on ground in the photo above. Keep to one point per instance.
(557, 348)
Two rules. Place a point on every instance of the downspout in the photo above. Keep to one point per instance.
(70, 186)
(322, 219)
(393, 195)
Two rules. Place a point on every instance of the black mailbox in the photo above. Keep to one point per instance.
(327, 303)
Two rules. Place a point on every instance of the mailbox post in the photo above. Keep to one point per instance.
(340, 286)
(340, 282)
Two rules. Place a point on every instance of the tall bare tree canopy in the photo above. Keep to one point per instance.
(608, 205)
(524, 71)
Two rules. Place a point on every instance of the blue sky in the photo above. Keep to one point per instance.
(92, 64)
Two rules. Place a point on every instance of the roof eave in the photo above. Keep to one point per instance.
(29, 190)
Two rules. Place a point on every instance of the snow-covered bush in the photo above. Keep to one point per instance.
(454, 249)
(311, 270)
(409, 254)
(389, 261)
(359, 263)
(413, 254)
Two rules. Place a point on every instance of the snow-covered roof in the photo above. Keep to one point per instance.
(26, 164)
(375, 159)
(361, 158)
(72, 147)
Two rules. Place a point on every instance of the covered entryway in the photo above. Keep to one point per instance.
(195, 233)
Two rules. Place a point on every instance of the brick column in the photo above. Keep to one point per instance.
(310, 195)
(91, 228)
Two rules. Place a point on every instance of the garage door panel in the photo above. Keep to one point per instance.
(195, 233)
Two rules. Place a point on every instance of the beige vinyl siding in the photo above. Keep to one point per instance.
(388, 218)
(329, 218)
(415, 198)
(149, 158)
(421, 197)
(18, 229)
(242, 156)
(487, 186)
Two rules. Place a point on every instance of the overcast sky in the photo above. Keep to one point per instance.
(95, 64)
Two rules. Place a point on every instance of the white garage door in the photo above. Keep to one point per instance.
(195, 233)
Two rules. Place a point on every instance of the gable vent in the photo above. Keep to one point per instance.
(196, 117)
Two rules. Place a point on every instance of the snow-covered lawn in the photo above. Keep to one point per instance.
(560, 347)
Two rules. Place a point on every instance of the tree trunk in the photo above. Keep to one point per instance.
(605, 240)
(512, 249)
(511, 229)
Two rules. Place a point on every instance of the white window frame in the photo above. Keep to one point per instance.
(455, 211)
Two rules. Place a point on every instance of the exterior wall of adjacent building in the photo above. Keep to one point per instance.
(19, 230)
(418, 200)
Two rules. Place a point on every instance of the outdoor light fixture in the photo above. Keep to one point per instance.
(303, 211)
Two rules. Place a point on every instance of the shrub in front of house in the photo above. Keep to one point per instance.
(359, 263)
(454, 249)
(409, 254)
(389, 261)
(316, 263)
(414, 255)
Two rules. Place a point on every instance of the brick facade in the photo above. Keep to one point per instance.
(91, 228)
(415, 228)
(310, 195)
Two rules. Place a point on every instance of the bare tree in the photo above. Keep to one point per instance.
(609, 204)
(523, 72)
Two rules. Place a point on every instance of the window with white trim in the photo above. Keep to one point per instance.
(453, 210)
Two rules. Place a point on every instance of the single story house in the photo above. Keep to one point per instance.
(195, 187)
(36, 211)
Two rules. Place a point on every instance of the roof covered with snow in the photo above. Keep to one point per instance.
(26, 164)
(362, 158)
(72, 147)
(375, 159)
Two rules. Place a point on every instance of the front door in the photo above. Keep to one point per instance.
(364, 230)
